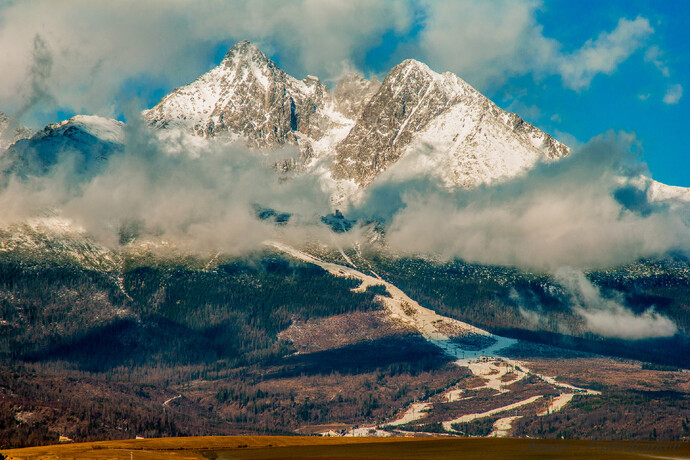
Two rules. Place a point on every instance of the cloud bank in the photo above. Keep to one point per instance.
(586, 211)
(577, 212)
(200, 198)
(99, 49)
(501, 39)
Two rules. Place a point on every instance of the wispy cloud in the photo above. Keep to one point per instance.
(502, 39)
(603, 54)
(655, 56)
(608, 316)
(673, 94)
(97, 47)
(199, 198)
(35, 89)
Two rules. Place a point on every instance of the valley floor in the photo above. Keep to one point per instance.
(228, 447)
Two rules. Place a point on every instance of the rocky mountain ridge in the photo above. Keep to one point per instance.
(437, 123)
(364, 126)
(248, 95)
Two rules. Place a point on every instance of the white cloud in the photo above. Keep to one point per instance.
(604, 54)
(486, 42)
(482, 42)
(198, 198)
(673, 95)
(571, 212)
(654, 55)
(96, 47)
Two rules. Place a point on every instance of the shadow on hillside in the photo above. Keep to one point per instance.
(406, 353)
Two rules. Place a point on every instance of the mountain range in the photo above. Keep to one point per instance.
(347, 136)
(357, 131)
(322, 328)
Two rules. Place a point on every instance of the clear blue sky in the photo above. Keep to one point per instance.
(574, 69)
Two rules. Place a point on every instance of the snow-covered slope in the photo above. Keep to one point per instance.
(658, 192)
(52, 239)
(87, 139)
(11, 131)
(466, 139)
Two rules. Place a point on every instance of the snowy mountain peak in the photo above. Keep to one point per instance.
(244, 49)
(103, 128)
(87, 139)
(245, 55)
(248, 96)
(471, 140)
(365, 126)
(409, 65)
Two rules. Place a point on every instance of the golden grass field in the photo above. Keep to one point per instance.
(303, 447)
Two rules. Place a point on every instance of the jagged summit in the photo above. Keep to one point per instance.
(471, 140)
(409, 64)
(365, 126)
(245, 55)
(247, 96)
(244, 49)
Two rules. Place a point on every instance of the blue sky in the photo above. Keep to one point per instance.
(574, 69)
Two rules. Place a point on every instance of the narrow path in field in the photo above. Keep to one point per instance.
(168, 401)
(448, 426)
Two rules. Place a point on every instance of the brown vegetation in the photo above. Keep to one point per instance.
(337, 331)
(317, 447)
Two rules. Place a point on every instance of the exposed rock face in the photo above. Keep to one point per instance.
(365, 127)
(248, 95)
